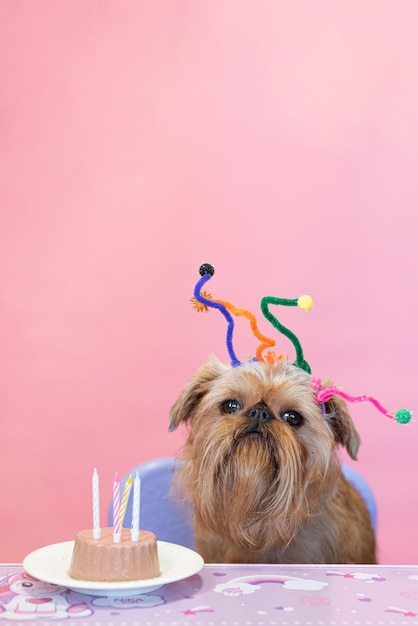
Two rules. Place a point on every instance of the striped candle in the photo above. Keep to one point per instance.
(125, 498)
(135, 509)
(117, 533)
(96, 507)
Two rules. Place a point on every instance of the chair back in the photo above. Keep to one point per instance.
(171, 520)
(364, 490)
(159, 512)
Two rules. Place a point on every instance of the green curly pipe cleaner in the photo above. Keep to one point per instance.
(300, 361)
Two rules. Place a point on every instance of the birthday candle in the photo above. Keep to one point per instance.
(96, 507)
(125, 498)
(135, 509)
(116, 508)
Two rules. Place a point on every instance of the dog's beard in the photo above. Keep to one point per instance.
(249, 484)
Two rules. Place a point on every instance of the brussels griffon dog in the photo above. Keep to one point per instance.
(261, 471)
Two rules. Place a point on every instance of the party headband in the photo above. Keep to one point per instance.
(202, 301)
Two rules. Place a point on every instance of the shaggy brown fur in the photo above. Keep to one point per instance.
(261, 471)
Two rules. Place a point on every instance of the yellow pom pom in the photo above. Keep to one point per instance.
(305, 303)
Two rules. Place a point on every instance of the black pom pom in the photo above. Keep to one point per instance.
(206, 268)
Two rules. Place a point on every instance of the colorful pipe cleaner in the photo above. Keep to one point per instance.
(203, 301)
(402, 416)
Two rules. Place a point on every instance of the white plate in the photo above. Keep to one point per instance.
(51, 564)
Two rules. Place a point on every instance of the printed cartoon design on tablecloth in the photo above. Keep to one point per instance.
(24, 597)
(361, 597)
(140, 601)
(249, 584)
(198, 609)
(245, 585)
(395, 609)
(368, 578)
(315, 600)
(410, 594)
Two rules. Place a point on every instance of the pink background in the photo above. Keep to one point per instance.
(277, 140)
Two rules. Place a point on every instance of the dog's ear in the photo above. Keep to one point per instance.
(339, 419)
(189, 399)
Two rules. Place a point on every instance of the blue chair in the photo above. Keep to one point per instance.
(364, 490)
(171, 520)
(159, 512)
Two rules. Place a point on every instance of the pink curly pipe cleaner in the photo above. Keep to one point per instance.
(322, 395)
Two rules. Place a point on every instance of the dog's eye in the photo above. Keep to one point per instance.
(230, 406)
(293, 418)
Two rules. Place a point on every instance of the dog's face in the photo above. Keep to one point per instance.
(260, 453)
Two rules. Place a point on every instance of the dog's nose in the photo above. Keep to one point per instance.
(259, 415)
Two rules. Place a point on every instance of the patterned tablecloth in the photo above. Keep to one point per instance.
(228, 595)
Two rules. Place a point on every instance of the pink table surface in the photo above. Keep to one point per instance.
(228, 595)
